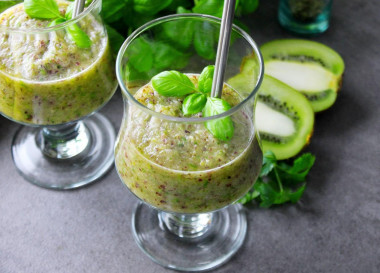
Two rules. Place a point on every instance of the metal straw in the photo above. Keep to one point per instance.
(78, 7)
(223, 45)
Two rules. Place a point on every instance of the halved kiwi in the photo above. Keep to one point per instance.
(310, 67)
(284, 118)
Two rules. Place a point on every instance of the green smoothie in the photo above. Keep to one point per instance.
(45, 79)
(182, 167)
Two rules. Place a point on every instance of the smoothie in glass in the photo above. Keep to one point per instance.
(45, 78)
(182, 167)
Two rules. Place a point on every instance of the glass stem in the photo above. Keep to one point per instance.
(186, 225)
(63, 141)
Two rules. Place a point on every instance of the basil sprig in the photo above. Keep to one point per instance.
(175, 84)
(48, 9)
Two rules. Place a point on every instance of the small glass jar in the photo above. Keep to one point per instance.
(305, 17)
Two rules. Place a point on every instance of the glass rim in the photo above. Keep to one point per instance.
(85, 12)
(173, 17)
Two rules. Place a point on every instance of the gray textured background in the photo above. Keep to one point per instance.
(335, 227)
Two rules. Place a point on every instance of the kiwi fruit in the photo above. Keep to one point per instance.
(310, 67)
(284, 118)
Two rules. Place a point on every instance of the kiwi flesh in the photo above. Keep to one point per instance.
(310, 67)
(284, 118)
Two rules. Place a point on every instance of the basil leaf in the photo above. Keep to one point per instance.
(205, 79)
(69, 11)
(112, 10)
(140, 55)
(116, 39)
(223, 128)
(56, 22)
(150, 7)
(193, 104)
(204, 42)
(6, 4)
(77, 35)
(172, 83)
(42, 9)
(172, 30)
(210, 7)
(166, 56)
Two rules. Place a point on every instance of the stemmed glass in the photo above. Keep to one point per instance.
(185, 178)
(54, 87)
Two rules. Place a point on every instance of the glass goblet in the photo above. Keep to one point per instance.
(185, 178)
(54, 86)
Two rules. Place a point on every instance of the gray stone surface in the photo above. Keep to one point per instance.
(335, 227)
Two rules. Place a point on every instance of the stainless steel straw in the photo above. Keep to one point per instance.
(223, 45)
(78, 7)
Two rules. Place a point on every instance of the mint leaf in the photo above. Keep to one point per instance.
(172, 83)
(205, 79)
(42, 9)
(193, 104)
(223, 128)
(56, 22)
(77, 35)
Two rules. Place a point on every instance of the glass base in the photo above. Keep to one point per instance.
(224, 236)
(46, 169)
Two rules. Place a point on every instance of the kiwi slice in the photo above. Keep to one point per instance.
(310, 67)
(283, 117)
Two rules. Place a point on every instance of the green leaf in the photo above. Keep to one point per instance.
(297, 172)
(204, 42)
(69, 11)
(166, 56)
(77, 35)
(269, 162)
(172, 83)
(115, 38)
(42, 9)
(222, 128)
(56, 22)
(205, 79)
(112, 10)
(140, 55)
(296, 195)
(174, 29)
(268, 194)
(246, 7)
(193, 104)
(6, 4)
(150, 7)
(210, 7)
